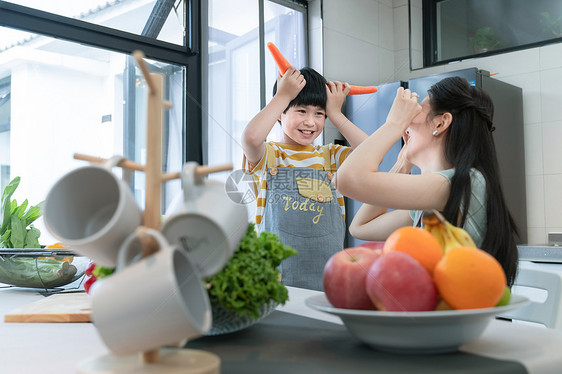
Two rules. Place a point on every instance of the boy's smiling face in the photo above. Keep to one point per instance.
(302, 124)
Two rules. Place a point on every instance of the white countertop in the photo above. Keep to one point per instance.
(60, 347)
(42, 347)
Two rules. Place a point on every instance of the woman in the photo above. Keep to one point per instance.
(449, 137)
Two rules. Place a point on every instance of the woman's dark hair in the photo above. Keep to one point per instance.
(469, 144)
(313, 92)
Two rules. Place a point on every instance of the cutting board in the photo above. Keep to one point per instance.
(62, 307)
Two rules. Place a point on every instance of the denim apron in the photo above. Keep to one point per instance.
(303, 209)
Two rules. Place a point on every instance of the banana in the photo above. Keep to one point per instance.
(447, 235)
(461, 235)
(435, 230)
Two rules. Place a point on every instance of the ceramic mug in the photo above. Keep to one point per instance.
(150, 302)
(92, 211)
(206, 223)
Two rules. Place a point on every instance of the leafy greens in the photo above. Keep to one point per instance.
(250, 279)
(16, 230)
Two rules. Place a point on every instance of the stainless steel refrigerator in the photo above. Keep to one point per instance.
(369, 112)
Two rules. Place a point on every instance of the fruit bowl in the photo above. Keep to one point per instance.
(38, 268)
(415, 332)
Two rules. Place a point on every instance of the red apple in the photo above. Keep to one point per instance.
(373, 245)
(344, 277)
(397, 282)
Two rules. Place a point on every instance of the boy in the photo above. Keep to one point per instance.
(292, 178)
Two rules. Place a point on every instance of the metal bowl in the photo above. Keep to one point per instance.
(226, 321)
(38, 268)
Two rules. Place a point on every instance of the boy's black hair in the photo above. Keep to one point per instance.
(313, 92)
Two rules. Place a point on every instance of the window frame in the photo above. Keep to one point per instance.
(298, 5)
(5, 83)
(292, 4)
(74, 30)
(429, 12)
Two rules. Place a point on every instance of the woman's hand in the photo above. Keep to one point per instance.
(404, 109)
(402, 165)
(290, 84)
(336, 93)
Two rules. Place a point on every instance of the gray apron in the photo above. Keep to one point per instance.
(303, 209)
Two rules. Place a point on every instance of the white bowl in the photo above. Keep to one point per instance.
(415, 332)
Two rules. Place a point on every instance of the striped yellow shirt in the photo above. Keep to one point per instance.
(287, 155)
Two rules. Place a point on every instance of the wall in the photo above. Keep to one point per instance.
(376, 35)
(538, 71)
(358, 39)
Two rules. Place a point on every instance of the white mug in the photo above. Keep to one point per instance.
(92, 211)
(150, 302)
(206, 223)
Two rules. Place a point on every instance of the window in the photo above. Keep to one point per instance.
(240, 70)
(457, 29)
(68, 86)
(5, 114)
(162, 20)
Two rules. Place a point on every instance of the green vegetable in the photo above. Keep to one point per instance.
(101, 272)
(250, 279)
(33, 272)
(17, 230)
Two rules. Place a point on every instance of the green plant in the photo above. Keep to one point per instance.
(17, 230)
(250, 279)
(484, 40)
(551, 27)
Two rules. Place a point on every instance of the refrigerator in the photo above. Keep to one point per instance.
(369, 112)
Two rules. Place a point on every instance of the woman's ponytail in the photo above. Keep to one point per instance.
(469, 145)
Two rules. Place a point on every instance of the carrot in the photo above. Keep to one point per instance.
(361, 90)
(283, 65)
(281, 61)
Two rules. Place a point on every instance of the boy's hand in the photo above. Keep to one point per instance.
(336, 93)
(290, 84)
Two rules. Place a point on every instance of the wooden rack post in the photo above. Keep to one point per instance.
(153, 168)
(173, 361)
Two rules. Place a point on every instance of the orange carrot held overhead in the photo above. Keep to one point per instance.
(283, 65)
(281, 61)
(361, 90)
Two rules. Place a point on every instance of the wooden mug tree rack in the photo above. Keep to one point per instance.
(164, 360)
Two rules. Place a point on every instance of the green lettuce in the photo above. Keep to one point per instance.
(16, 230)
(251, 279)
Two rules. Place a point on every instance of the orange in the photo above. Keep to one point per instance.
(469, 278)
(416, 242)
(68, 259)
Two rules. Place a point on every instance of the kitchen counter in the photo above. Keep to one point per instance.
(42, 347)
(60, 347)
(540, 253)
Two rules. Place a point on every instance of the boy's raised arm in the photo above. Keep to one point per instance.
(255, 133)
(336, 93)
